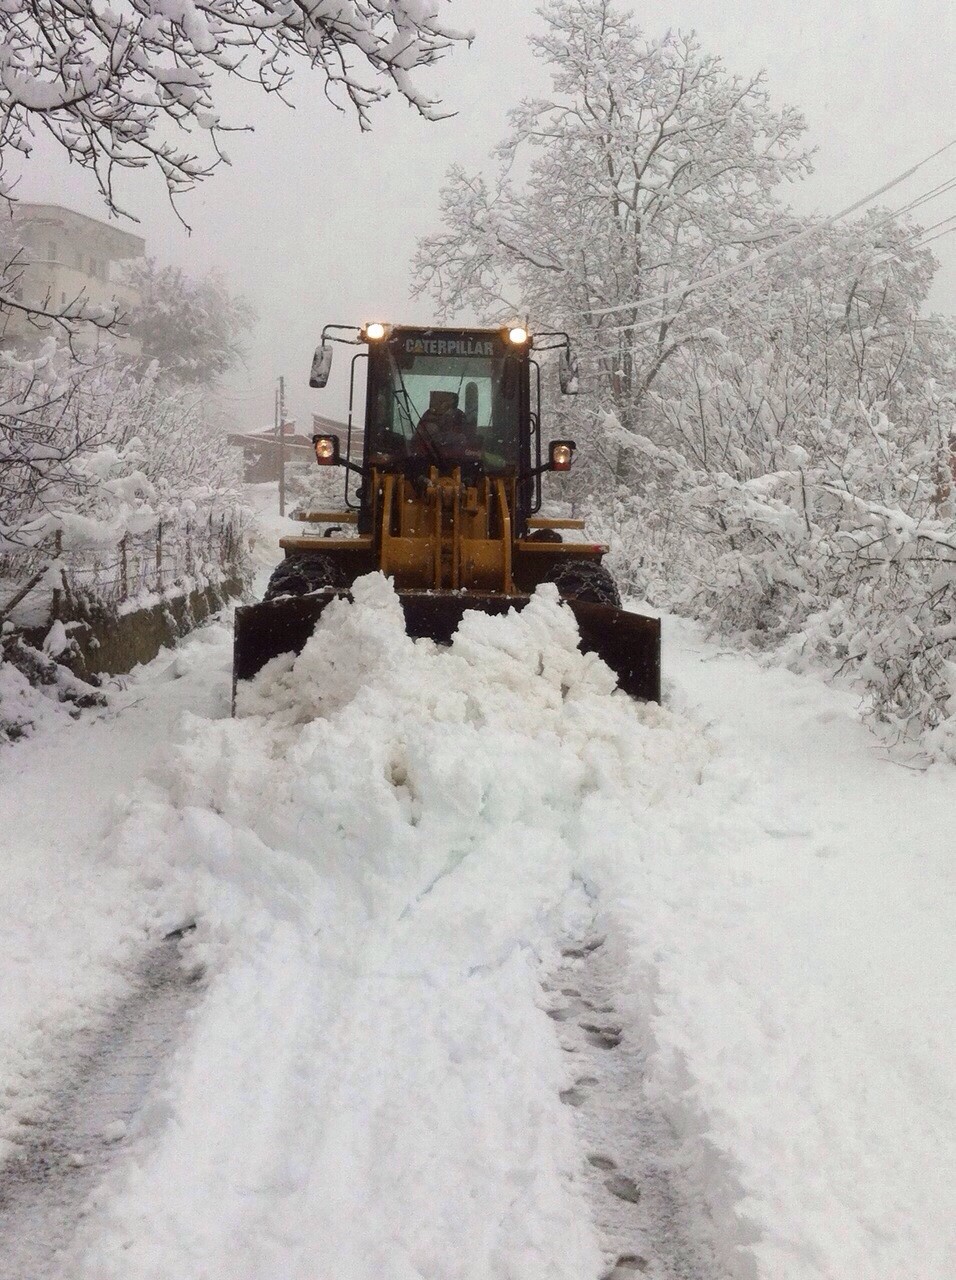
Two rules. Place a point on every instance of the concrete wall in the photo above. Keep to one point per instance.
(111, 644)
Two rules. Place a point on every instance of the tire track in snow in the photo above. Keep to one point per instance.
(651, 1206)
(45, 1185)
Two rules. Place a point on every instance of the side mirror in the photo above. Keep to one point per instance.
(568, 373)
(321, 366)
(561, 455)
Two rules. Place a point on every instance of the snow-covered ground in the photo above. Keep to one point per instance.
(400, 860)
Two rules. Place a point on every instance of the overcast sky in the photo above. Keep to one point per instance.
(316, 222)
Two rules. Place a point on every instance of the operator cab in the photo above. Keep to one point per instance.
(447, 399)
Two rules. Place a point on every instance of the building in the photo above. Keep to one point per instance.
(260, 449)
(261, 454)
(66, 257)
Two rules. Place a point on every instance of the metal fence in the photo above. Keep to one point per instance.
(157, 561)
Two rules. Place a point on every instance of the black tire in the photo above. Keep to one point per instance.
(302, 573)
(544, 535)
(587, 581)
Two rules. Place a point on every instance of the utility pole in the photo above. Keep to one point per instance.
(281, 418)
(276, 420)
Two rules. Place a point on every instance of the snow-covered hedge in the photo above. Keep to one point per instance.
(95, 458)
(113, 488)
(794, 483)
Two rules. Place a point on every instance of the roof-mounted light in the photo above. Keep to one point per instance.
(374, 332)
(518, 335)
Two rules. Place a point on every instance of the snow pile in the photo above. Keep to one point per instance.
(382, 852)
(35, 688)
(385, 854)
(21, 706)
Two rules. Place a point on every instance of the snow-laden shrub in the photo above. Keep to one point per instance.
(35, 687)
(793, 486)
(95, 458)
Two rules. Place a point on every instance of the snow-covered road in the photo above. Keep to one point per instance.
(399, 860)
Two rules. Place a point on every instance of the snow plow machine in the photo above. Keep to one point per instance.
(444, 491)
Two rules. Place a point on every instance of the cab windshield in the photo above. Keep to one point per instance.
(447, 400)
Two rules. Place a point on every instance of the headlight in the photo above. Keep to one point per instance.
(326, 450)
(562, 454)
(374, 332)
(517, 335)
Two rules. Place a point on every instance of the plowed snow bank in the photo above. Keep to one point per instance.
(383, 853)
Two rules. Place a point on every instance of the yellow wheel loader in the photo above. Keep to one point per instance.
(445, 499)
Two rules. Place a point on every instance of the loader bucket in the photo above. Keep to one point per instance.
(629, 643)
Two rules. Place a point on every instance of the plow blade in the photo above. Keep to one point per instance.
(629, 643)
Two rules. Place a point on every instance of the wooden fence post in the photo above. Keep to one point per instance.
(57, 549)
(124, 570)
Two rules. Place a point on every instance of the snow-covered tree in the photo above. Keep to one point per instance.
(823, 448)
(770, 414)
(135, 85)
(798, 480)
(193, 328)
(648, 167)
(116, 85)
(91, 452)
(47, 427)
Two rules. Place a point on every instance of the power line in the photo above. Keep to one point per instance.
(948, 232)
(923, 231)
(639, 326)
(759, 258)
(934, 193)
(669, 318)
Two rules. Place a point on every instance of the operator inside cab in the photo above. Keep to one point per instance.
(456, 407)
(445, 433)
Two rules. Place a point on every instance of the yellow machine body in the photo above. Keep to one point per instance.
(447, 500)
(437, 533)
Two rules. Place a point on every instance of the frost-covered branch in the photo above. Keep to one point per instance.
(648, 162)
(132, 84)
